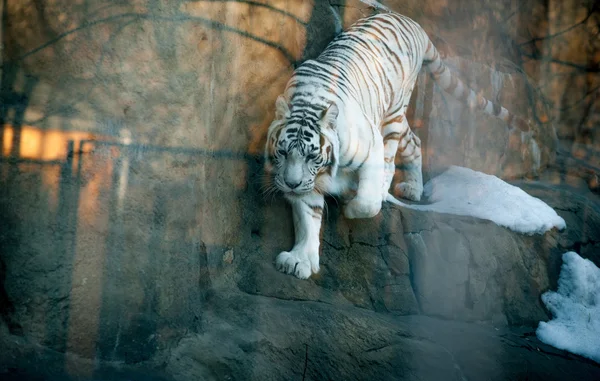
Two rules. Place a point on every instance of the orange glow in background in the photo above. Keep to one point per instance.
(45, 145)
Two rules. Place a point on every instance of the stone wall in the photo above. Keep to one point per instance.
(205, 73)
(123, 250)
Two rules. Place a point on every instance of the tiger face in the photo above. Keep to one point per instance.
(300, 149)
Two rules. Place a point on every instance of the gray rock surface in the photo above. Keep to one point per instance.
(153, 262)
(146, 293)
(316, 341)
(245, 337)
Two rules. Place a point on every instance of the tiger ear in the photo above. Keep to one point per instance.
(272, 136)
(330, 114)
(282, 110)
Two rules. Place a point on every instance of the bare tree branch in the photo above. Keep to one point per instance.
(256, 4)
(550, 36)
(180, 18)
(581, 100)
(583, 68)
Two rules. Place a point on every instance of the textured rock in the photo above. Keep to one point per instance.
(104, 66)
(128, 283)
(136, 65)
(314, 341)
(246, 337)
(440, 265)
(119, 262)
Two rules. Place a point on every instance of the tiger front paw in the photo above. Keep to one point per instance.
(298, 263)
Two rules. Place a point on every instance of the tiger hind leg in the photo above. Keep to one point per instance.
(392, 133)
(399, 138)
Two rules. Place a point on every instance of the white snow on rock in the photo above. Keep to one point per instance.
(575, 308)
(465, 192)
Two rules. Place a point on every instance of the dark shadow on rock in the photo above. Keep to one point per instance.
(279, 339)
(324, 24)
(7, 308)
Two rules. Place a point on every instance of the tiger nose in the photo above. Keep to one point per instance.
(292, 185)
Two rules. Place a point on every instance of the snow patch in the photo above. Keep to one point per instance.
(465, 192)
(575, 308)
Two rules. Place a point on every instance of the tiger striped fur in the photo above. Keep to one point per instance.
(341, 121)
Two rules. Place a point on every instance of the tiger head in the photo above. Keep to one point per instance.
(300, 147)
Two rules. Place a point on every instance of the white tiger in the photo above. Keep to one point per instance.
(341, 120)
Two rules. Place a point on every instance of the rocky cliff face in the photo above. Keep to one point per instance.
(204, 74)
(136, 285)
(153, 254)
